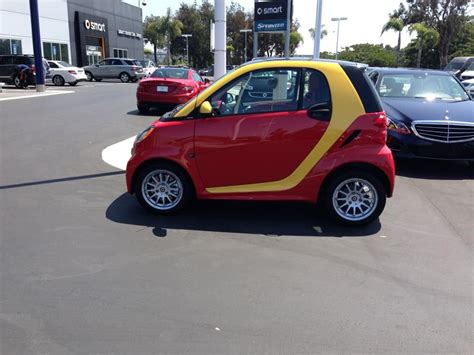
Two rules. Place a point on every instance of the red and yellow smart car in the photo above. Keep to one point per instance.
(299, 130)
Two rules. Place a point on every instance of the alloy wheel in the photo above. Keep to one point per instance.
(162, 189)
(355, 199)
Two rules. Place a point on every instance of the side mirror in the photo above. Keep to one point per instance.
(206, 81)
(205, 108)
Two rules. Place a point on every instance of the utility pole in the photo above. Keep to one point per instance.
(187, 35)
(288, 28)
(35, 30)
(338, 19)
(317, 30)
(220, 51)
(245, 31)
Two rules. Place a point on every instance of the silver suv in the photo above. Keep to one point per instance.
(115, 68)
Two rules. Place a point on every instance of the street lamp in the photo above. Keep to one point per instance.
(187, 35)
(338, 19)
(245, 32)
(142, 2)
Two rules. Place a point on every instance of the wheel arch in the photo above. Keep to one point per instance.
(152, 161)
(367, 167)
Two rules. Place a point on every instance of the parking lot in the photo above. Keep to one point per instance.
(84, 269)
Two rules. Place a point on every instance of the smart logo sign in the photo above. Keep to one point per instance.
(271, 16)
(95, 26)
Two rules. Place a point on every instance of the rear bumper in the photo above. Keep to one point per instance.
(411, 146)
(153, 100)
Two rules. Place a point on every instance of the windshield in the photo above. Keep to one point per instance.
(471, 67)
(454, 65)
(171, 73)
(65, 64)
(429, 86)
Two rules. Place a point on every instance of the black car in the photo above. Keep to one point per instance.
(8, 68)
(430, 115)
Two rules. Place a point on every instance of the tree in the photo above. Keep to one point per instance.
(324, 32)
(445, 16)
(151, 32)
(170, 28)
(397, 25)
(371, 54)
(424, 35)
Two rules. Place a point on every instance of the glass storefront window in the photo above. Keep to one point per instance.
(55, 51)
(10, 46)
(47, 50)
(120, 53)
(64, 53)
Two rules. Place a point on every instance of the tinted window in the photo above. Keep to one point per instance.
(5, 60)
(315, 89)
(196, 76)
(53, 65)
(172, 73)
(131, 62)
(116, 62)
(23, 60)
(261, 91)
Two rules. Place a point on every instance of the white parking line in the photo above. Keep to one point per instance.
(50, 93)
(119, 153)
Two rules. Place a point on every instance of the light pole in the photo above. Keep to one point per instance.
(187, 35)
(317, 29)
(338, 19)
(245, 32)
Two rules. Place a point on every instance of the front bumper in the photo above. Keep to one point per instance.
(411, 146)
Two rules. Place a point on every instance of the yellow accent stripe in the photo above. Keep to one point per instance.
(346, 107)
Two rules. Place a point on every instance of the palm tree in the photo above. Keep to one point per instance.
(170, 28)
(397, 25)
(324, 32)
(424, 34)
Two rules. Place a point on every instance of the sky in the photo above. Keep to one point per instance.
(364, 23)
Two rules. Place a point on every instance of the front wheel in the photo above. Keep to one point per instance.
(355, 198)
(162, 188)
(17, 82)
(124, 78)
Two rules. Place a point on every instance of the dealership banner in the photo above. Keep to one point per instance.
(271, 16)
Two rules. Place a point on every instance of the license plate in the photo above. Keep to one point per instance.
(162, 88)
(80, 71)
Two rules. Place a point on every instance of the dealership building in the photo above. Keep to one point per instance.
(80, 32)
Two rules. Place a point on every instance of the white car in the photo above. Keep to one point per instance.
(469, 85)
(148, 67)
(63, 72)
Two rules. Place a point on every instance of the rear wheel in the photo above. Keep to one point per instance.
(17, 82)
(162, 188)
(143, 108)
(58, 80)
(355, 198)
(124, 77)
(89, 76)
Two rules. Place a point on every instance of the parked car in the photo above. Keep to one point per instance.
(168, 87)
(148, 67)
(63, 72)
(458, 65)
(469, 85)
(430, 115)
(9, 73)
(115, 68)
(468, 73)
(271, 130)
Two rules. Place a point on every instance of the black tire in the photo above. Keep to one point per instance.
(58, 80)
(144, 174)
(89, 75)
(98, 79)
(124, 77)
(375, 191)
(143, 108)
(17, 82)
(74, 83)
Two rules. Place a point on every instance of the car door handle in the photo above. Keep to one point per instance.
(321, 111)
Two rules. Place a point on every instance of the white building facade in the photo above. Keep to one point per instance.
(15, 28)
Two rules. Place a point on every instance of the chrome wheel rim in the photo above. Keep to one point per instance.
(124, 78)
(17, 81)
(162, 189)
(58, 80)
(355, 199)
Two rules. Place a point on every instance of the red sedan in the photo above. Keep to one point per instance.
(168, 87)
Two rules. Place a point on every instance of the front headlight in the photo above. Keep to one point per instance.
(143, 135)
(397, 126)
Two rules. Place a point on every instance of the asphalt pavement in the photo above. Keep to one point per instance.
(84, 270)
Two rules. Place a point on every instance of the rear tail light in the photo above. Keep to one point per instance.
(72, 72)
(380, 121)
(187, 89)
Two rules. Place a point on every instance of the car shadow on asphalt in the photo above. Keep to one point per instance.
(152, 112)
(271, 219)
(434, 169)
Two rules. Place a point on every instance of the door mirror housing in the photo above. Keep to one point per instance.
(205, 108)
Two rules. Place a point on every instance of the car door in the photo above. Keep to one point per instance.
(6, 69)
(116, 68)
(261, 130)
(103, 70)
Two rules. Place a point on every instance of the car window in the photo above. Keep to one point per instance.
(196, 76)
(5, 60)
(132, 62)
(105, 62)
(171, 73)
(257, 92)
(65, 64)
(53, 65)
(116, 62)
(315, 89)
(22, 60)
(429, 86)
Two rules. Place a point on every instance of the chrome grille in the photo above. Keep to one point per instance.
(444, 131)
